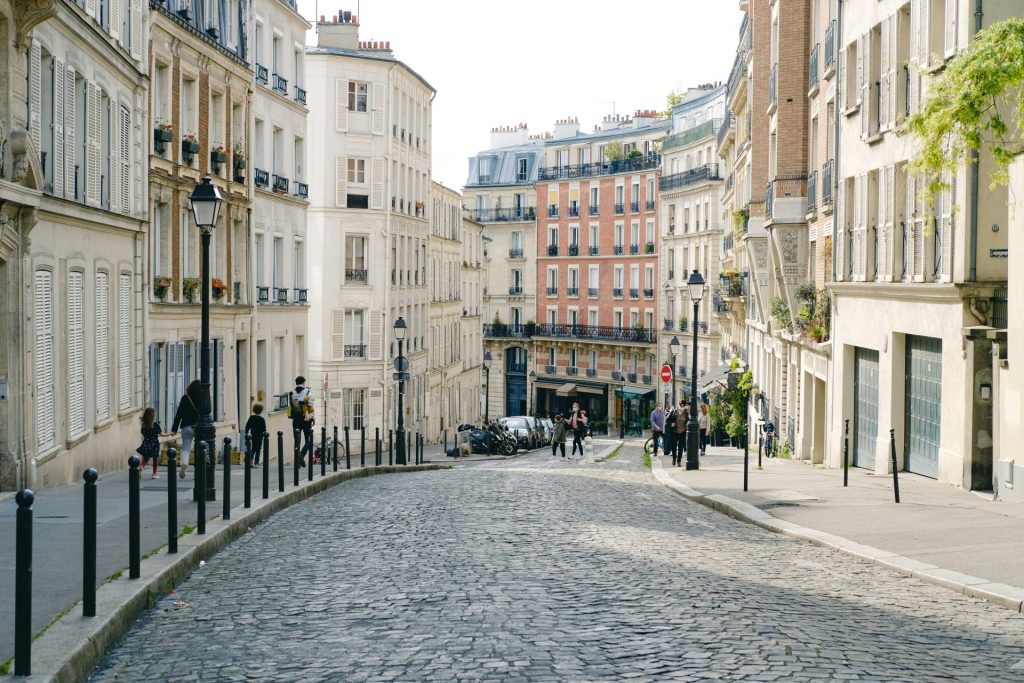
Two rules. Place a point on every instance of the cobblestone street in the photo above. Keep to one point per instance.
(540, 569)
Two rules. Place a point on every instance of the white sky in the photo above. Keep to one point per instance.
(536, 61)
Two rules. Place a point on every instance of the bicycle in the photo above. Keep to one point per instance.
(649, 445)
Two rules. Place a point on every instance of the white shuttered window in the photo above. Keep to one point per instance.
(76, 355)
(44, 374)
(124, 341)
(102, 346)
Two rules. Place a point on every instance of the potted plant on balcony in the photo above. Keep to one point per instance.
(649, 248)
(185, 13)
(190, 286)
(218, 155)
(682, 323)
(530, 328)
(161, 283)
(162, 134)
(639, 332)
(217, 289)
(238, 161)
(189, 146)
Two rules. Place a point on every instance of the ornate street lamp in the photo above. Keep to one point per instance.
(695, 288)
(206, 201)
(673, 348)
(401, 365)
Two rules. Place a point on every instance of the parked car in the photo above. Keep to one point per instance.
(549, 429)
(524, 431)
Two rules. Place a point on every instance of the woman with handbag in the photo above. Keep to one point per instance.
(187, 417)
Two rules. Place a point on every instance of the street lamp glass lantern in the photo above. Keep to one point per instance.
(695, 286)
(487, 360)
(400, 329)
(206, 201)
(674, 345)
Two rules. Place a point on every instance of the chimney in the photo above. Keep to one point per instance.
(507, 136)
(342, 32)
(568, 127)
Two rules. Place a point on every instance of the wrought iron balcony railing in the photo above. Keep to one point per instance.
(301, 189)
(516, 213)
(262, 178)
(552, 250)
(300, 95)
(830, 45)
(355, 350)
(553, 211)
(691, 177)
(515, 253)
(552, 291)
(620, 209)
(355, 275)
(280, 84)
(574, 210)
(570, 331)
(592, 292)
(773, 77)
(812, 192)
(515, 291)
(634, 207)
(634, 249)
(280, 183)
(570, 371)
(574, 250)
(573, 292)
(617, 250)
(634, 293)
(262, 74)
(617, 292)
(826, 182)
(594, 209)
(648, 293)
(641, 163)
(594, 250)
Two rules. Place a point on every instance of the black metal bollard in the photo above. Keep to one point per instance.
(227, 478)
(266, 465)
(362, 446)
(391, 447)
(201, 449)
(895, 471)
(445, 442)
(323, 451)
(134, 518)
(334, 454)
(408, 450)
(89, 545)
(376, 444)
(746, 461)
(172, 501)
(419, 448)
(23, 584)
(348, 451)
(295, 459)
(760, 443)
(846, 453)
(247, 496)
(309, 460)
(280, 461)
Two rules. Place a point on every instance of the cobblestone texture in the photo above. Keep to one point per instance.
(544, 570)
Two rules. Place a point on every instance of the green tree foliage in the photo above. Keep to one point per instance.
(780, 312)
(613, 151)
(976, 102)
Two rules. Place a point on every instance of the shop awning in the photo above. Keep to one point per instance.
(566, 389)
(589, 390)
(630, 392)
(708, 380)
(546, 385)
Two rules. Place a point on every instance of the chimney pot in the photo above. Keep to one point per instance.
(322, 19)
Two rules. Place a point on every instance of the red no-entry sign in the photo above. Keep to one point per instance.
(666, 373)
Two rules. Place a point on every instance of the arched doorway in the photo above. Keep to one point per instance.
(515, 381)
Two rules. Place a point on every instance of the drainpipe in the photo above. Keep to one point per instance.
(973, 253)
(838, 116)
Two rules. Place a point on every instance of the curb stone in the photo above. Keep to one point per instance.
(1009, 597)
(73, 645)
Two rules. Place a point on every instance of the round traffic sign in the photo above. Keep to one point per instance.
(666, 373)
(402, 364)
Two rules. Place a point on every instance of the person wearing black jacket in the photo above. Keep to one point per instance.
(186, 417)
(254, 429)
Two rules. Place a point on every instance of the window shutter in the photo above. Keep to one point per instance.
(377, 183)
(338, 334)
(125, 161)
(923, 42)
(864, 78)
(889, 175)
(946, 225)
(374, 337)
(842, 221)
(920, 218)
(219, 379)
(76, 356)
(124, 341)
(883, 76)
(69, 132)
(35, 95)
(378, 109)
(895, 72)
(860, 70)
(115, 19)
(115, 158)
(46, 437)
(136, 38)
(90, 8)
(341, 182)
(58, 128)
(341, 105)
(92, 127)
(843, 80)
(102, 347)
(951, 26)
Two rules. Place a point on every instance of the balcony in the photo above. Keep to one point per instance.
(552, 250)
(280, 84)
(262, 74)
(617, 292)
(640, 163)
(718, 305)
(634, 249)
(617, 250)
(773, 78)
(649, 247)
(571, 371)
(648, 293)
(549, 369)
(574, 250)
(727, 244)
(594, 209)
(301, 295)
(504, 331)
(631, 377)
(573, 292)
(263, 295)
(769, 200)
(592, 292)
(620, 209)
(355, 275)
(574, 210)
(812, 69)
(262, 178)
(593, 251)
(515, 291)
(595, 332)
(830, 46)
(695, 134)
(515, 253)
(280, 183)
(666, 325)
(591, 372)
(355, 350)
(691, 177)
(733, 286)
(552, 291)
(517, 213)
(703, 327)
(300, 95)
(301, 190)
(728, 126)
(786, 198)
(826, 183)
(812, 192)
(634, 207)
(647, 379)
(649, 205)
(553, 211)
(634, 293)
(281, 295)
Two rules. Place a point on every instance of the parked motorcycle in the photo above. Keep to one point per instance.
(493, 439)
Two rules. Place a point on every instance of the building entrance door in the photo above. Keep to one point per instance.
(923, 405)
(865, 407)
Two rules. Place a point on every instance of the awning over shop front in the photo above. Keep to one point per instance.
(566, 389)
(546, 385)
(708, 381)
(589, 390)
(630, 392)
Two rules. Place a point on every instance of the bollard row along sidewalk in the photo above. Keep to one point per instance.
(953, 538)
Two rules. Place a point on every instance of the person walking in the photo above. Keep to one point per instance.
(558, 436)
(578, 425)
(301, 411)
(670, 432)
(150, 448)
(657, 427)
(703, 421)
(255, 426)
(680, 446)
(187, 417)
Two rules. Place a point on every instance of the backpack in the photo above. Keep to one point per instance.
(294, 405)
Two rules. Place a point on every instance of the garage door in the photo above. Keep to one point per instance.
(923, 405)
(865, 407)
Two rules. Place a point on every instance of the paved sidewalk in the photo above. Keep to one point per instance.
(935, 524)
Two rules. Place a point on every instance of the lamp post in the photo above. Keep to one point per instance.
(401, 365)
(695, 287)
(487, 388)
(206, 201)
(532, 389)
(622, 406)
(673, 347)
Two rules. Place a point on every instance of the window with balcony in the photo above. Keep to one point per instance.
(595, 281)
(355, 341)
(594, 243)
(356, 255)
(552, 281)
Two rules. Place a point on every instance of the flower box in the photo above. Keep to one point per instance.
(190, 286)
(189, 147)
(161, 134)
(218, 156)
(161, 283)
